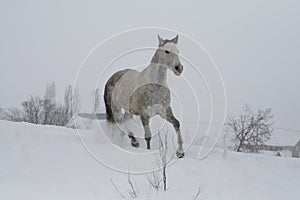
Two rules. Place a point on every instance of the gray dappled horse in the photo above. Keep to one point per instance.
(145, 93)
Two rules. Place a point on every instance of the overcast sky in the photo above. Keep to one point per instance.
(255, 44)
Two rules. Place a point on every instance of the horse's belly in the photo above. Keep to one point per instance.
(155, 110)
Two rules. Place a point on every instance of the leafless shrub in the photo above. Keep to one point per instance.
(250, 129)
(13, 114)
(46, 110)
(155, 180)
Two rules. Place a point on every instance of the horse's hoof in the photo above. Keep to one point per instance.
(135, 143)
(179, 154)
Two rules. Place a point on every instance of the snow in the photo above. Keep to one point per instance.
(48, 162)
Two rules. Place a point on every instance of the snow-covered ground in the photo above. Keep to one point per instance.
(47, 162)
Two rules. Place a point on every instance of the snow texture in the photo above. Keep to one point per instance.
(48, 162)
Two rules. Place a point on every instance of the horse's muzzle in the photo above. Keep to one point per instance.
(178, 69)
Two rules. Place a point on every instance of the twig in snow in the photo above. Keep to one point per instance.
(199, 191)
(123, 197)
(132, 191)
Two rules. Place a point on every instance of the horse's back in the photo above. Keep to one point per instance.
(125, 87)
(138, 94)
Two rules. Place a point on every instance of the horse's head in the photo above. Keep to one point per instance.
(167, 55)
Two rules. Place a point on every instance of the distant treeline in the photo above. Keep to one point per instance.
(45, 109)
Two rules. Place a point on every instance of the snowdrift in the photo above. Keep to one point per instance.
(47, 162)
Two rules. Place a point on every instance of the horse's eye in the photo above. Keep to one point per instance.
(167, 52)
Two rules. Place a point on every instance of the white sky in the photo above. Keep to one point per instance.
(255, 44)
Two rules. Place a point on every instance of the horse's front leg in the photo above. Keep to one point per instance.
(171, 118)
(145, 120)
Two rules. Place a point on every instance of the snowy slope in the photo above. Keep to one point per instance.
(47, 162)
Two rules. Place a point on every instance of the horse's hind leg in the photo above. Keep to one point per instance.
(134, 141)
(145, 120)
(117, 112)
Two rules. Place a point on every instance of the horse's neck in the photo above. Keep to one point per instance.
(155, 73)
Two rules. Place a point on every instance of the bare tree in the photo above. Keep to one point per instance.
(2, 113)
(32, 109)
(97, 100)
(14, 114)
(58, 115)
(71, 104)
(75, 100)
(250, 129)
(68, 107)
(163, 152)
(159, 178)
(49, 104)
(46, 110)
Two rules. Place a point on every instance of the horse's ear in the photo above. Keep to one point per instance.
(175, 39)
(160, 41)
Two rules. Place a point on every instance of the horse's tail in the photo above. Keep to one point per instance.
(109, 87)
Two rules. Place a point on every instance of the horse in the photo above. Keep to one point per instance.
(145, 93)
